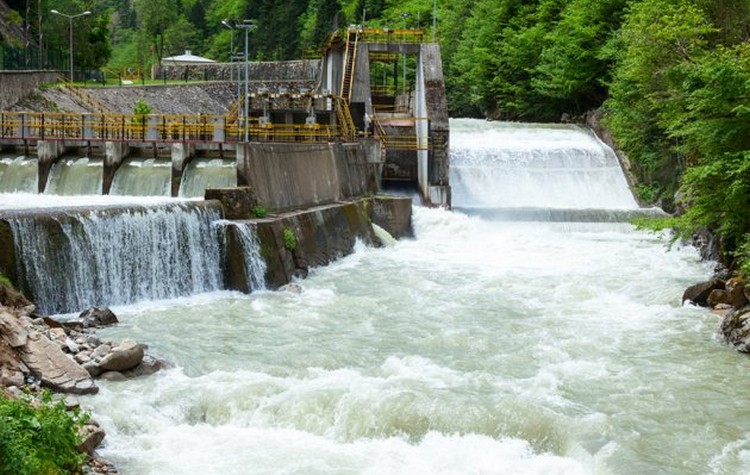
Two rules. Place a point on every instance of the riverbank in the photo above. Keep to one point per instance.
(38, 353)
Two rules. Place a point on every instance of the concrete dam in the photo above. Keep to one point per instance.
(103, 207)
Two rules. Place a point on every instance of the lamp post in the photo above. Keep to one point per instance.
(404, 16)
(230, 25)
(70, 22)
(247, 25)
(434, 19)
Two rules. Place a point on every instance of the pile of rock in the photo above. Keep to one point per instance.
(65, 356)
(730, 299)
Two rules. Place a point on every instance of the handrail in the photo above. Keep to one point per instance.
(34, 126)
(87, 99)
(350, 62)
(345, 118)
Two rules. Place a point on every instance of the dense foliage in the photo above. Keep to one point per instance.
(39, 438)
(671, 76)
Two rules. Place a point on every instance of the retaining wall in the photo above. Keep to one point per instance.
(14, 85)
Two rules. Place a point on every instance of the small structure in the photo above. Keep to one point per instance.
(187, 59)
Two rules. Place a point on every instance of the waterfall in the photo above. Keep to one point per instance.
(72, 260)
(18, 174)
(247, 238)
(76, 176)
(143, 177)
(530, 168)
(201, 174)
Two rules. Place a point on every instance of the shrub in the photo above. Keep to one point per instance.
(39, 437)
(260, 211)
(290, 240)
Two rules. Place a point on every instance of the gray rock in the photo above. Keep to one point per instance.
(92, 368)
(12, 330)
(148, 366)
(698, 293)
(97, 317)
(736, 293)
(128, 354)
(112, 376)
(54, 368)
(92, 436)
(101, 351)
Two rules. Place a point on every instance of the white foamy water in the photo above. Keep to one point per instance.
(479, 347)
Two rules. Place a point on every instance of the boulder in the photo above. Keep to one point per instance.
(698, 293)
(12, 329)
(92, 436)
(735, 328)
(97, 317)
(128, 354)
(46, 361)
(716, 297)
(736, 292)
(148, 366)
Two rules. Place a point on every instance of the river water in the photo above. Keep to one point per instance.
(480, 346)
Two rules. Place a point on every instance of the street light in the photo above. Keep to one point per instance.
(404, 16)
(70, 21)
(230, 25)
(247, 25)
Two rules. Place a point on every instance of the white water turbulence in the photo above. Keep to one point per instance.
(537, 166)
(479, 347)
(18, 174)
(254, 265)
(143, 177)
(203, 173)
(72, 261)
(76, 176)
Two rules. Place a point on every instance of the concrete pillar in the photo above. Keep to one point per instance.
(181, 154)
(47, 152)
(242, 156)
(114, 154)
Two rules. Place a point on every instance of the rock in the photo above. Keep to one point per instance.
(54, 368)
(112, 376)
(128, 354)
(698, 293)
(735, 328)
(716, 297)
(97, 317)
(92, 368)
(10, 297)
(82, 357)
(148, 366)
(736, 292)
(92, 436)
(12, 330)
(58, 335)
(291, 288)
(101, 351)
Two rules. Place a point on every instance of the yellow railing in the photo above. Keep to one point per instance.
(345, 118)
(158, 128)
(398, 35)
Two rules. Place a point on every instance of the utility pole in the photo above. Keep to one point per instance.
(247, 25)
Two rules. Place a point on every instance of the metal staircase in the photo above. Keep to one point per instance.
(350, 60)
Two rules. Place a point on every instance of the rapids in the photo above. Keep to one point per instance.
(481, 346)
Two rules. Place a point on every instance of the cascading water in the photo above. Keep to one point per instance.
(254, 265)
(75, 176)
(480, 346)
(540, 173)
(143, 177)
(18, 174)
(72, 261)
(203, 173)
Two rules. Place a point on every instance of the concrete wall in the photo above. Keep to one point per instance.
(14, 85)
(287, 176)
(304, 70)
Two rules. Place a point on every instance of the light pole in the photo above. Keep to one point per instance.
(434, 19)
(230, 25)
(70, 22)
(404, 16)
(247, 25)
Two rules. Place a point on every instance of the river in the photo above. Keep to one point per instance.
(481, 346)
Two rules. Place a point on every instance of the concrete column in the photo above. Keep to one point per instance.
(242, 157)
(114, 154)
(47, 152)
(181, 154)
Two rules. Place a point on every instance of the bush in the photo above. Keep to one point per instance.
(40, 437)
(260, 211)
(290, 240)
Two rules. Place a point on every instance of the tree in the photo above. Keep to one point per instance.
(155, 18)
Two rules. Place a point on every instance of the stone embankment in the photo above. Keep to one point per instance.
(39, 352)
(729, 298)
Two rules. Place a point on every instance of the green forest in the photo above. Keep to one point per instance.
(671, 77)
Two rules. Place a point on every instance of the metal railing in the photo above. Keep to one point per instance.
(397, 35)
(31, 126)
